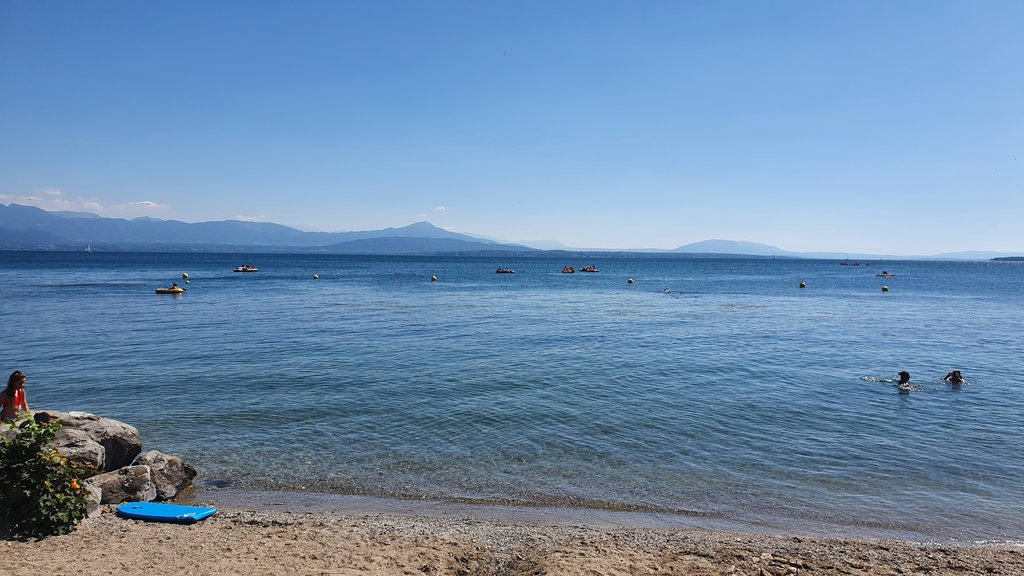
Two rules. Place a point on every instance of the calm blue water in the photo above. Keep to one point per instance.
(709, 387)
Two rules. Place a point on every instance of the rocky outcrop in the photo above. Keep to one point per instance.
(131, 483)
(121, 442)
(115, 448)
(170, 474)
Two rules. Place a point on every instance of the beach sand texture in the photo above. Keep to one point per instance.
(256, 542)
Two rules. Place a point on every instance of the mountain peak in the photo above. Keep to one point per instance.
(421, 225)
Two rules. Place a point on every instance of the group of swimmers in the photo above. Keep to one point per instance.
(13, 397)
(954, 378)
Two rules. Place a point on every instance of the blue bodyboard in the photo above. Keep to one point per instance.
(156, 512)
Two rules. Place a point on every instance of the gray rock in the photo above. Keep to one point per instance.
(131, 483)
(120, 441)
(93, 499)
(170, 473)
(78, 446)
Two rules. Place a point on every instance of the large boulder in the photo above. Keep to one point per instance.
(131, 483)
(78, 446)
(121, 442)
(170, 474)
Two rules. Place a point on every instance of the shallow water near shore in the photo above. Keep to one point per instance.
(709, 388)
(541, 515)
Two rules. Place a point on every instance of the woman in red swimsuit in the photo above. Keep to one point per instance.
(13, 397)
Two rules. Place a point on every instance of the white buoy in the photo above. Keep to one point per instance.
(433, 278)
(188, 281)
(802, 285)
(629, 280)
(885, 288)
(316, 276)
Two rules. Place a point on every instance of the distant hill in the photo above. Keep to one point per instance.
(756, 249)
(416, 245)
(31, 228)
(71, 214)
(975, 255)
(547, 244)
(731, 247)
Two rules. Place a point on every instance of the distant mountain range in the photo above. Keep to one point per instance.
(31, 228)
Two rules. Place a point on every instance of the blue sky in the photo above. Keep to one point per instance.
(884, 127)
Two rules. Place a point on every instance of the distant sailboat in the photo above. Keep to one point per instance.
(88, 248)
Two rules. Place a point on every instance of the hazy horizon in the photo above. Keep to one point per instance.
(865, 127)
(709, 245)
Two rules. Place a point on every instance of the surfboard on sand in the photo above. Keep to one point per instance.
(157, 512)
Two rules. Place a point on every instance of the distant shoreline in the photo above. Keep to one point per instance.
(302, 251)
(100, 250)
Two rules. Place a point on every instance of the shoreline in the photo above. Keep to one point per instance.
(311, 502)
(237, 541)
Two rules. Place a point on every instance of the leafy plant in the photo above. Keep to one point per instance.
(40, 490)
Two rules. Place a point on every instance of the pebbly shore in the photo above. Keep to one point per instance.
(238, 541)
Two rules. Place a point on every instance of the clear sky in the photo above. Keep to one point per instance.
(857, 126)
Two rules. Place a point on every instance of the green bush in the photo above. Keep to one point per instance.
(40, 490)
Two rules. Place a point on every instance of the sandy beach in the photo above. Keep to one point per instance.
(238, 541)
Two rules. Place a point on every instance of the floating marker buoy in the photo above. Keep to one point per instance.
(433, 278)
(629, 280)
(885, 288)
(802, 285)
(316, 276)
(184, 274)
(188, 281)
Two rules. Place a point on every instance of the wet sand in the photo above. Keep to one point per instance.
(239, 541)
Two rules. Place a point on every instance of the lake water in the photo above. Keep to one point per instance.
(708, 388)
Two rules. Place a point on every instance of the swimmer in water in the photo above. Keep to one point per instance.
(904, 382)
(954, 378)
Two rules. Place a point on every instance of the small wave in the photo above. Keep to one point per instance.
(878, 379)
(742, 307)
